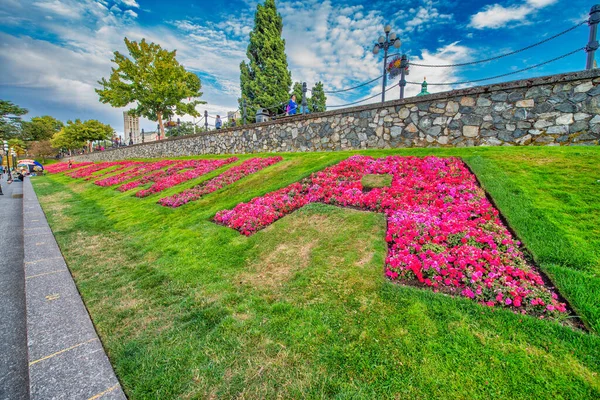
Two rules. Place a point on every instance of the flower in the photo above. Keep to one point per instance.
(442, 232)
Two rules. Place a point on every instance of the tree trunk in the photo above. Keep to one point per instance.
(161, 134)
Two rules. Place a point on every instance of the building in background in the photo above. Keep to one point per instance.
(234, 115)
(131, 129)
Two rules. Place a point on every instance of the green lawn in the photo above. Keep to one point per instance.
(301, 309)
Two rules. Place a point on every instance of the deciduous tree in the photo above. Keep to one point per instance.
(41, 128)
(153, 80)
(42, 149)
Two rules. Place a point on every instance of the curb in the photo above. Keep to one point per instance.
(66, 357)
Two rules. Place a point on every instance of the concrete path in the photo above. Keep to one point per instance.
(14, 379)
(66, 358)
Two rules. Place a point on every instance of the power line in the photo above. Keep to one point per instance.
(363, 100)
(351, 88)
(503, 75)
(502, 55)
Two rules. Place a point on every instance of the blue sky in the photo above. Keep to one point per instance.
(53, 52)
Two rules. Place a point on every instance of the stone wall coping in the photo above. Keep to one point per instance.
(496, 87)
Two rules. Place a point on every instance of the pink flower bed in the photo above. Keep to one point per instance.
(133, 173)
(442, 231)
(226, 178)
(63, 166)
(90, 169)
(123, 166)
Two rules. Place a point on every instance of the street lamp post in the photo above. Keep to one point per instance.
(390, 40)
(142, 135)
(130, 137)
(7, 159)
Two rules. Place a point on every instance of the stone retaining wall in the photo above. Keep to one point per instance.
(553, 110)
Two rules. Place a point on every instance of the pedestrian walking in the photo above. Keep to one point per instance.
(218, 122)
(233, 122)
(292, 106)
(70, 164)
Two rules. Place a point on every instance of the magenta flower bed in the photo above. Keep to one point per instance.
(442, 231)
(63, 166)
(90, 169)
(124, 165)
(226, 178)
(134, 173)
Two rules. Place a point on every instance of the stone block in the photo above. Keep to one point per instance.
(565, 119)
(583, 87)
(467, 101)
(443, 139)
(483, 102)
(525, 103)
(396, 131)
(403, 113)
(470, 131)
(434, 130)
(558, 129)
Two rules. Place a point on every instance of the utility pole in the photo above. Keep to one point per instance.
(206, 120)
(592, 45)
(403, 65)
(304, 103)
(244, 115)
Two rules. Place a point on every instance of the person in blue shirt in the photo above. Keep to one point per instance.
(292, 106)
(218, 122)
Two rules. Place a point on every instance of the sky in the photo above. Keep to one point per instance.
(53, 52)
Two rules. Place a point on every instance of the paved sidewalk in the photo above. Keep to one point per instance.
(14, 379)
(66, 358)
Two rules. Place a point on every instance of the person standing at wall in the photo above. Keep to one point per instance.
(292, 106)
(218, 122)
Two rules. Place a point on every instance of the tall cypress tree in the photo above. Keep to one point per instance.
(318, 100)
(297, 90)
(265, 80)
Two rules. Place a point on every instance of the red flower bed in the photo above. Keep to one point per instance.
(90, 169)
(63, 166)
(123, 166)
(442, 231)
(226, 178)
(133, 173)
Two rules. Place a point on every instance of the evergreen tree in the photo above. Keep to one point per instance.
(265, 80)
(297, 90)
(318, 100)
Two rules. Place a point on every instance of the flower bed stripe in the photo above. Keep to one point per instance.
(226, 178)
(123, 166)
(63, 166)
(134, 173)
(90, 169)
(442, 231)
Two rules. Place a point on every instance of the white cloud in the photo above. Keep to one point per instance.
(130, 3)
(497, 16)
(131, 13)
(59, 8)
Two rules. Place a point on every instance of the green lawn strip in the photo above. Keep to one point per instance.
(187, 308)
(549, 243)
(372, 181)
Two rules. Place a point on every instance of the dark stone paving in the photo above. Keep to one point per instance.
(14, 378)
(66, 358)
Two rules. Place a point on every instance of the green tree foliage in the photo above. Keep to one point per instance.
(184, 128)
(10, 119)
(18, 145)
(76, 133)
(265, 80)
(42, 149)
(41, 128)
(318, 100)
(62, 140)
(153, 80)
(297, 90)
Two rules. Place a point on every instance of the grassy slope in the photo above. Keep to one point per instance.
(187, 308)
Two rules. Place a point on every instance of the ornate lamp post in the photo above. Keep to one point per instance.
(385, 42)
(130, 137)
(142, 135)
